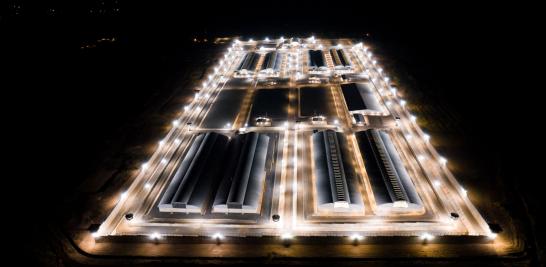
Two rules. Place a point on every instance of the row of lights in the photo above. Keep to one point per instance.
(441, 160)
(175, 124)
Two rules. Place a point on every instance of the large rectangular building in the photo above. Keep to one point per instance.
(242, 185)
(393, 189)
(336, 183)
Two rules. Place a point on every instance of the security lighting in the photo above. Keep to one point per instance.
(427, 236)
(217, 236)
(356, 237)
(155, 236)
(286, 236)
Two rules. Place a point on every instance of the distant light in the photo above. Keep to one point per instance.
(155, 236)
(144, 166)
(286, 236)
(250, 40)
(266, 39)
(403, 103)
(409, 136)
(388, 103)
(161, 143)
(95, 234)
(426, 137)
(282, 38)
(163, 161)
(177, 141)
(442, 161)
(374, 62)
(413, 118)
(436, 183)
(285, 124)
(380, 70)
(393, 90)
(427, 236)
(356, 237)
(147, 186)
(218, 236)
(123, 195)
(464, 192)
(369, 54)
(210, 77)
(339, 46)
(336, 121)
(176, 123)
(246, 124)
(386, 79)
(420, 157)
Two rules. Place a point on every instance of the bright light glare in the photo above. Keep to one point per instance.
(286, 236)
(427, 236)
(95, 234)
(442, 160)
(147, 186)
(492, 235)
(356, 237)
(123, 195)
(155, 235)
(144, 166)
(217, 236)
(176, 122)
(426, 137)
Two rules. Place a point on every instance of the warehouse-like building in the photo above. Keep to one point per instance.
(190, 187)
(341, 62)
(317, 61)
(335, 181)
(393, 190)
(242, 184)
(272, 64)
(248, 65)
(360, 98)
